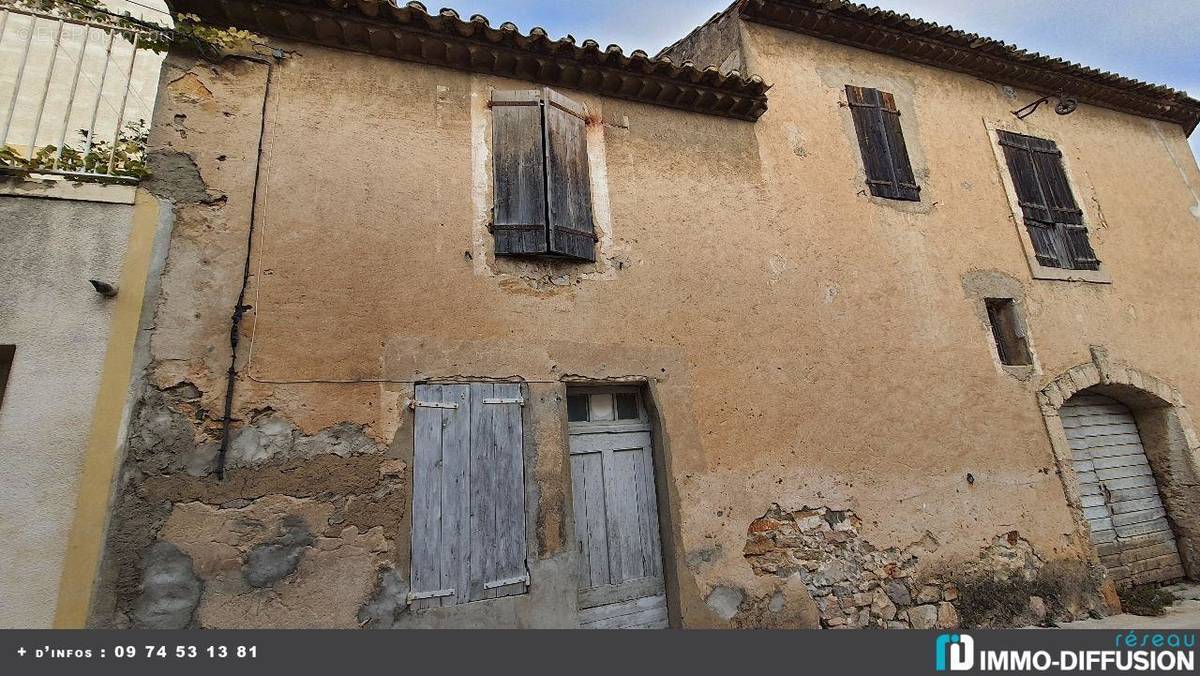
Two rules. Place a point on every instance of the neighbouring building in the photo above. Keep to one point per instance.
(464, 326)
(75, 254)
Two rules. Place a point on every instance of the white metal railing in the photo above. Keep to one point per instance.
(56, 72)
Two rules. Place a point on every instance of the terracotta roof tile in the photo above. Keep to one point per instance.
(926, 42)
(411, 32)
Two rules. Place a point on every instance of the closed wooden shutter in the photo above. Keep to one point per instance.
(1052, 216)
(468, 534)
(881, 140)
(519, 173)
(572, 232)
(543, 201)
(1120, 498)
(497, 492)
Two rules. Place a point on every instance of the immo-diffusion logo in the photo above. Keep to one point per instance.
(955, 652)
(1132, 651)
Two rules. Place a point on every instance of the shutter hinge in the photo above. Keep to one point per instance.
(504, 583)
(504, 401)
(417, 596)
(430, 404)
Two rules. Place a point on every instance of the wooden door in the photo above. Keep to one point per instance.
(1121, 503)
(616, 516)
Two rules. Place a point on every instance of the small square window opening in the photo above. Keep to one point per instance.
(1012, 345)
(627, 406)
(577, 408)
(601, 406)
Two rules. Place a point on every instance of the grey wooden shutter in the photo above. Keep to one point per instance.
(441, 462)
(1052, 216)
(497, 492)
(569, 187)
(881, 140)
(519, 173)
(468, 533)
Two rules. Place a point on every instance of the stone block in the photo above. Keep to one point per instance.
(947, 616)
(929, 594)
(923, 617)
(898, 593)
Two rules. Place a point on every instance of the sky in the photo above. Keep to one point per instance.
(1153, 40)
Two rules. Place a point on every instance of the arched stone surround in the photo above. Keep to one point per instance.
(1168, 435)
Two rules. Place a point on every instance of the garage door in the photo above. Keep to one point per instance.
(1120, 498)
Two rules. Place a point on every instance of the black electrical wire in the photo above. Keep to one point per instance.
(152, 9)
(239, 310)
(126, 17)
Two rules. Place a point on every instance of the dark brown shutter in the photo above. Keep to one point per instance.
(881, 140)
(6, 360)
(519, 173)
(569, 187)
(1052, 215)
(1029, 195)
(1079, 248)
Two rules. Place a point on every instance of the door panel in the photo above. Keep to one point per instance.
(591, 521)
(1121, 503)
(617, 532)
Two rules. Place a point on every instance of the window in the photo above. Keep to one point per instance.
(543, 197)
(1054, 220)
(885, 157)
(6, 359)
(603, 407)
(1011, 344)
(468, 531)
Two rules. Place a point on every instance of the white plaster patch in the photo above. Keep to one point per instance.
(796, 141)
(481, 178)
(778, 265)
(724, 601)
(1195, 208)
(831, 292)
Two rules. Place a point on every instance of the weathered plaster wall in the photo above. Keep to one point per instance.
(60, 327)
(716, 43)
(808, 350)
(912, 348)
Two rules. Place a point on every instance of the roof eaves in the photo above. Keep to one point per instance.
(410, 32)
(900, 35)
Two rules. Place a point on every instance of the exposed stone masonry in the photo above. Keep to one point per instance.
(856, 585)
(296, 536)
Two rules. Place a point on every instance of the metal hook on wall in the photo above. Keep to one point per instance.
(1065, 106)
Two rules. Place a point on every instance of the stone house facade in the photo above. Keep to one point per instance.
(530, 333)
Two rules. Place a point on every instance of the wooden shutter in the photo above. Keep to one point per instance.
(497, 492)
(468, 533)
(1052, 216)
(1079, 247)
(519, 173)
(440, 544)
(543, 193)
(572, 232)
(881, 140)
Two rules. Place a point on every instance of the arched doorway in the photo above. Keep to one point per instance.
(1118, 493)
